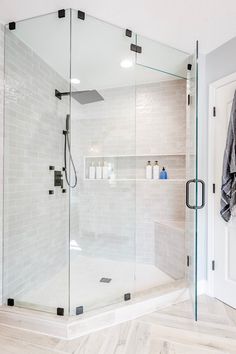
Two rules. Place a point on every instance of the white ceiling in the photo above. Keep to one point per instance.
(175, 22)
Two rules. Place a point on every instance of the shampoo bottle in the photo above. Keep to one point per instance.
(99, 171)
(149, 170)
(156, 171)
(163, 174)
(92, 171)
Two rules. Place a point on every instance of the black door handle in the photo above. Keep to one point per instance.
(187, 193)
(203, 194)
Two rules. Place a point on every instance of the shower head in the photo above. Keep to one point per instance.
(83, 97)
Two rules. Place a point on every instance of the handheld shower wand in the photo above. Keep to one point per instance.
(67, 146)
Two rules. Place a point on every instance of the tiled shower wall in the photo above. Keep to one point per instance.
(36, 223)
(117, 219)
(1, 146)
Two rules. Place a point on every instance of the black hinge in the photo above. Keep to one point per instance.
(213, 265)
(135, 48)
(10, 302)
(214, 188)
(189, 100)
(60, 311)
(214, 112)
(188, 261)
(189, 66)
(81, 15)
(79, 310)
(128, 33)
(127, 297)
(61, 13)
(12, 26)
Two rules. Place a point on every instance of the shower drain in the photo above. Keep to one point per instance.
(105, 280)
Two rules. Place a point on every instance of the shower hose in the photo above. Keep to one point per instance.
(67, 145)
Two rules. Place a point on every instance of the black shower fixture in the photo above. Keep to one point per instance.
(83, 97)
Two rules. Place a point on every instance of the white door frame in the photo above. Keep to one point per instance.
(211, 130)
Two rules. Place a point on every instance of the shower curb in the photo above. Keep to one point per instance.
(69, 327)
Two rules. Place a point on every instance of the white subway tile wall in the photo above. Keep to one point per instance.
(116, 219)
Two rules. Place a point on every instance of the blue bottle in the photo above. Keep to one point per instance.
(163, 174)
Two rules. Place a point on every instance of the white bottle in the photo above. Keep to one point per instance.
(105, 174)
(149, 170)
(92, 171)
(156, 171)
(99, 171)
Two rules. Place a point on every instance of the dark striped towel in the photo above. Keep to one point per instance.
(228, 188)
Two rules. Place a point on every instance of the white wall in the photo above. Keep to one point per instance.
(215, 65)
(1, 146)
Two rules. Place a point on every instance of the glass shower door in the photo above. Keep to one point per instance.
(102, 213)
(195, 195)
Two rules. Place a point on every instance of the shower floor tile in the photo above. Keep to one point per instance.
(86, 288)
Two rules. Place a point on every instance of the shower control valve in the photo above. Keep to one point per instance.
(58, 180)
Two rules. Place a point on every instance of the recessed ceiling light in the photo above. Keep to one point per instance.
(75, 81)
(126, 63)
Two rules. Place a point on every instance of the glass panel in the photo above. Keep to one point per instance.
(36, 223)
(160, 204)
(102, 239)
(162, 57)
(192, 174)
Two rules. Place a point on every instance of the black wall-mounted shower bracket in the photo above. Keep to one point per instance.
(59, 94)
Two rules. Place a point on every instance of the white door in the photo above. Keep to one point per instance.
(224, 233)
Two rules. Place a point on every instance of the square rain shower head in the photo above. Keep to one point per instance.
(88, 96)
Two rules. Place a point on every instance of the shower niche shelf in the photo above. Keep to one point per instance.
(133, 167)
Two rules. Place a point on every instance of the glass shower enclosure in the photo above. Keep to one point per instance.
(88, 108)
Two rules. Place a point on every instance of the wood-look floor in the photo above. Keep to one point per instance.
(169, 331)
